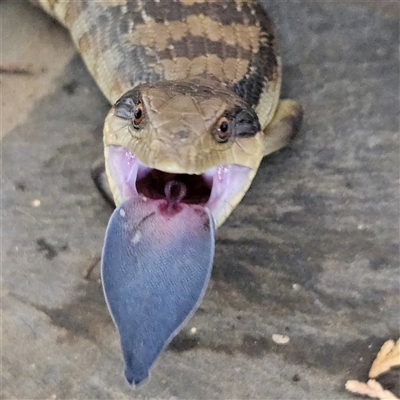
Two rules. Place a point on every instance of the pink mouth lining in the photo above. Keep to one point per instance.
(214, 189)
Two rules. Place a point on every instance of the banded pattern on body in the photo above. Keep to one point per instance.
(128, 42)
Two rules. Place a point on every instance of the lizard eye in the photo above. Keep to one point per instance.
(138, 114)
(223, 130)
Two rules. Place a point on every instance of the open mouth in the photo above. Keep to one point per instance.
(219, 188)
(189, 189)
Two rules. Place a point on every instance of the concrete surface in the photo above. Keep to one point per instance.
(312, 251)
(34, 42)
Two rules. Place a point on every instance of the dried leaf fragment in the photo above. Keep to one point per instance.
(387, 358)
(372, 389)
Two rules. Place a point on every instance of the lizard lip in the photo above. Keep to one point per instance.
(214, 188)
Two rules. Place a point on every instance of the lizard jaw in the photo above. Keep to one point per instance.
(220, 188)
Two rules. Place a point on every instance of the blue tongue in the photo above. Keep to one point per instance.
(156, 265)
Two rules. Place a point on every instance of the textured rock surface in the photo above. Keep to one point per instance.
(311, 253)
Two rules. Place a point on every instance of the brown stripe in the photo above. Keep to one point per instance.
(84, 44)
(145, 35)
(223, 12)
(72, 13)
(195, 46)
(161, 35)
(175, 69)
(235, 34)
(228, 70)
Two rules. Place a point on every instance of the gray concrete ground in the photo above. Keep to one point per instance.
(312, 252)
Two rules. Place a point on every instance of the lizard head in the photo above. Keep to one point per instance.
(194, 132)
